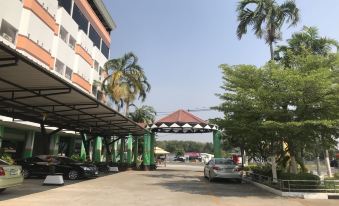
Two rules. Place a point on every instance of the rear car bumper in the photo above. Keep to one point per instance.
(10, 182)
(227, 175)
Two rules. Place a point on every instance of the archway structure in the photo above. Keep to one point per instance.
(182, 121)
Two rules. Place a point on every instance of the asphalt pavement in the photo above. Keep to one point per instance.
(175, 185)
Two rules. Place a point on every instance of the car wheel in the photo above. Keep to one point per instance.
(2, 189)
(73, 175)
(25, 173)
(210, 179)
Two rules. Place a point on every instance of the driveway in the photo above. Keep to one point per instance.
(176, 185)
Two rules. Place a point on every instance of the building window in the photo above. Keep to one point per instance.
(68, 73)
(71, 42)
(80, 19)
(59, 67)
(7, 31)
(66, 4)
(96, 66)
(105, 49)
(94, 90)
(94, 36)
(63, 34)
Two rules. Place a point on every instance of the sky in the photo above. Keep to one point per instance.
(181, 43)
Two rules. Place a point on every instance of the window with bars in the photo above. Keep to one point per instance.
(63, 34)
(59, 67)
(68, 73)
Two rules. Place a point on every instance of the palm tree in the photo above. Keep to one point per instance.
(145, 114)
(266, 19)
(126, 81)
(307, 39)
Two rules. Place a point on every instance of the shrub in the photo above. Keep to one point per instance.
(7, 158)
(265, 170)
(77, 157)
(312, 181)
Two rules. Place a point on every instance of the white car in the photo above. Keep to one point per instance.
(10, 175)
(222, 168)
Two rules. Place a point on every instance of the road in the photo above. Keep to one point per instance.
(176, 185)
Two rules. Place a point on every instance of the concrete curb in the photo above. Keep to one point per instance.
(304, 195)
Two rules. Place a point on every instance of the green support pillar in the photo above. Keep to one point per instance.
(29, 143)
(122, 150)
(135, 151)
(83, 152)
(129, 149)
(114, 152)
(97, 149)
(152, 143)
(54, 145)
(217, 144)
(146, 155)
(2, 134)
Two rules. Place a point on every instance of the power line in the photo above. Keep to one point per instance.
(188, 110)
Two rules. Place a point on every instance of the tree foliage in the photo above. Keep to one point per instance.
(266, 18)
(144, 114)
(175, 146)
(296, 104)
(126, 81)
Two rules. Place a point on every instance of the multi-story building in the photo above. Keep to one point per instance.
(70, 38)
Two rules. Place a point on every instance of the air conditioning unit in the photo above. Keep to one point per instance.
(7, 37)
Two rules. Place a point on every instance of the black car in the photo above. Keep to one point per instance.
(180, 159)
(43, 165)
(334, 163)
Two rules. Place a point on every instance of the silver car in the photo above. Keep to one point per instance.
(222, 168)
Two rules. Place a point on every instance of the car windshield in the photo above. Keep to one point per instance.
(66, 160)
(224, 162)
(3, 162)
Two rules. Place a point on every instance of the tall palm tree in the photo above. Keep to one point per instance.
(308, 38)
(126, 81)
(144, 114)
(266, 18)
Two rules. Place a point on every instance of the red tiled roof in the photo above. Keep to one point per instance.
(181, 116)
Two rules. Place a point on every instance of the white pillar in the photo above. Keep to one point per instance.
(327, 161)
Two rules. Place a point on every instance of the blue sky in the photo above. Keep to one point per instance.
(181, 43)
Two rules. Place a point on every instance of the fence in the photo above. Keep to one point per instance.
(328, 186)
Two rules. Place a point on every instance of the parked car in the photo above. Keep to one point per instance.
(43, 164)
(334, 163)
(222, 168)
(10, 175)
(180, 159)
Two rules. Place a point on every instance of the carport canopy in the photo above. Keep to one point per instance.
(31, 92)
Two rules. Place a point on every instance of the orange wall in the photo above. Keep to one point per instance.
(39, 11)
(81, 82)
(84, 54)
(95, 22)
(35, 50)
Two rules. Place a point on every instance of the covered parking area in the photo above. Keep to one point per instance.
(30, 92)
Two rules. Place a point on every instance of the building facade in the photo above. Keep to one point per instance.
(69, 38)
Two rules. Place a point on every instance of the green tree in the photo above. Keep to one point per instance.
(264, 107)
(144, 114)
(307, 41)
(266, 18)
(126, 81)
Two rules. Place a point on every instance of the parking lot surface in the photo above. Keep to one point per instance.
(174, 185)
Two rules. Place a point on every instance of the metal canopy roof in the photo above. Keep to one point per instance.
(30, 92)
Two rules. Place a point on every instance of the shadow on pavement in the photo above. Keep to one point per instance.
(193, 182)
(35, 185)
